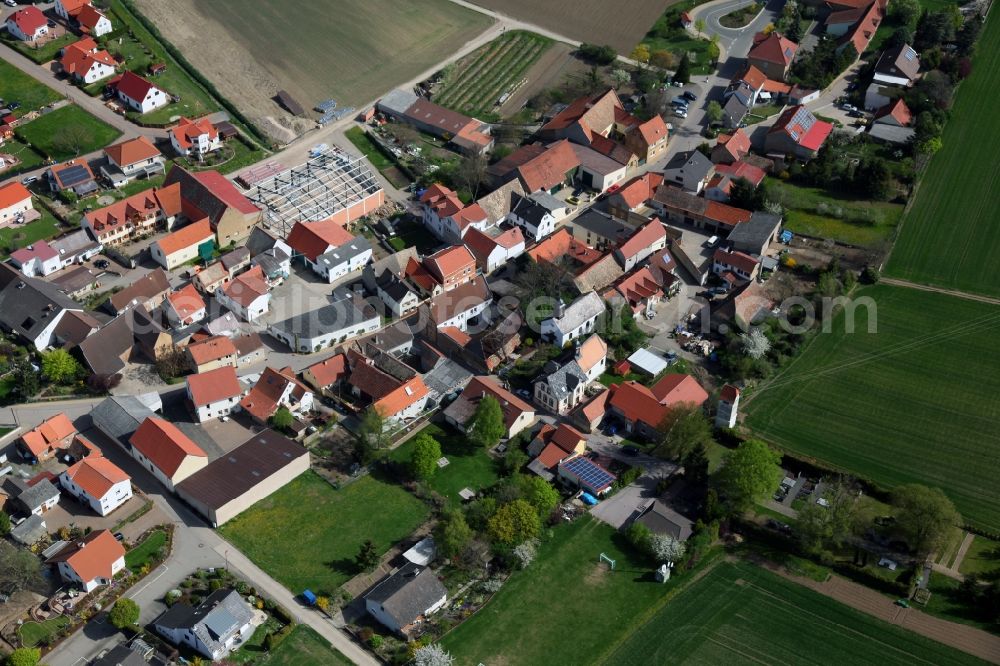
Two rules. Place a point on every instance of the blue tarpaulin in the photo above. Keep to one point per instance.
(309, 597)
(588, 499)
(786, 236)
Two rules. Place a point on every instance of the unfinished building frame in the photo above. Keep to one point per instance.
(328, 185)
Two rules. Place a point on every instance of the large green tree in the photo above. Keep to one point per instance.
(282, 418)
(24, 657)
(824, 527)
(539, 493)
(683, 428)
(683, 73)
(713, 111)
(750, 473)
(426, 453)
(925, 515)
(486, 426)
(19, 568)
(372, 436)
(60, 367)
(514, 523)
(452, 534)
(124, 614)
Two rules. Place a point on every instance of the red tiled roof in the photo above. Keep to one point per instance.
(566, 437)
(729, 393)
(133, 150)
(549, 168)
(636, 403)
(163, 444)
(211, 349)
(368, 379)
(213, 386)
(91, 557)
(135, 88)
(652, 130)
(329, 371)
(141, 204)
(55, 432)
(675, 389)
(449, 261)
(402, 397)
(187, 130)
(897, 110)
(88, 17)
(639, 286)
(639, 190)
(262, 400)
(752, 76)
(312, 239)
(186, 301)
(416, 272)
(742, 170)
(647, 235)
(247, 287)
(552, 455)
(12, 194)
(81, 55)
(96, 475)
(863, 31)
(562, 244)
(591, 352)
(773, 48)
(224, 190)
(72, 7)
(28, 20)
(511, 405)
(592, 113)
(740, 260)
(195, 233)
(779, 87)
(720, 212)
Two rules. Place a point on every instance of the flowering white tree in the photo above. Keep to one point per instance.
(432, 655)
(525, 553)
(666, 548)
(755, 343)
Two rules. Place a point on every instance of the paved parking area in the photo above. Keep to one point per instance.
(70, 513)
(621, 508)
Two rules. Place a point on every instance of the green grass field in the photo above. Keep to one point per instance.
(48, 51)
(805, 214)
(304, 647)
(307, 534)
(742, 614)
(144, 552)
(983, 557)
(468, 465)
(18, 236)
(474, 84)
(16, 86)
(914, 402)
(950, 236)
(565, 608)
(668, 35)
(67, 132)
(33, 633)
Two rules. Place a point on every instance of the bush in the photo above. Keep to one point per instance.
(375, 642)
(600, 55)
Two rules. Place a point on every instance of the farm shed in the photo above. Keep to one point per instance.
(290, 103)
(646, 361)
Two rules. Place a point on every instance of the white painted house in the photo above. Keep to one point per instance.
(15, 203)
(28, 24)
(139, 94)
(97, 482)
(215, 393)
(90, 561)
(571, 322)
(536, 220)
(164, 450)
(248, 295)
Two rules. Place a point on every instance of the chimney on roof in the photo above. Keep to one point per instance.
(560, 309)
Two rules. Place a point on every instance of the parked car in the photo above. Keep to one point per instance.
(102, 263)
(119, 536)
(849, 107)
(630, 450)
(687, 94)
(10, 3)
(679, 100)
(856, 114)
(680, 113)
(13, 105)
(29, 180)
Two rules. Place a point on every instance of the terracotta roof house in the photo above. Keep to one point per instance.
(517, 414)
(181, 246)
(633, 195)
(326, 373)
(248, 295)
(731, 148)
(772, 54)
(404, 402)
(90, 561)
(210, 194)
(132, 217)
(329, 249)
(74, 176)
(741, 265)
(48, 438)
(452, 266)
(721, 184)
(215, 393)
(149, 291)
(642, 409)
(552, 445)
(139, 94)
(85, 62)
(675, 205)
(93, 21)
(274, 389)
(194, 137)
(69, 8)
(648, 239)
(184, 306)
(164, 450)
(494, 247)
(855, 27)
(98, 482)
(211, 353)
(640, 290)
(675, 388)
(539, 168)
(15, 203)
(589, 415)
(447, 217)
(797, 132)
(27, 24)
(896, 113)
(561, 247)
(133, 158)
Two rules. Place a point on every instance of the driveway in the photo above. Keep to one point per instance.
(624, 506)
(611, 448)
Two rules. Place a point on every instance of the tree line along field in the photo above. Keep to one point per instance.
(918, 401)
(951, 236)
(620, 25)
(474, 84)
(741, 614)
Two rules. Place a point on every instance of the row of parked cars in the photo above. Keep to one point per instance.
(680, 103)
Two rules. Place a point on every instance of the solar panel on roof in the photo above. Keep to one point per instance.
(910, 54)
(589, 473)
(74, 175)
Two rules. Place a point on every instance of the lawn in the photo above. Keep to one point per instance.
(668, 35)
(813, 211)
(742, 614)
(48, 51)
(386, 166)
(414, 234)
(67, 132)
(30, 159)
(16, 86)
(983, 557)
(21, 235)
(305, 647)
(950, 236)
(475, 83)
(307, 534)
(468, 466)
(33, 633)
(145, 552)
(914, 402)
(140, 50)
(564, 604)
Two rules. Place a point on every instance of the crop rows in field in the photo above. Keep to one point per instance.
(914, 402)
(476, 84)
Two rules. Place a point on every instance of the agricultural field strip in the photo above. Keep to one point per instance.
(467, 75)
(489, 89)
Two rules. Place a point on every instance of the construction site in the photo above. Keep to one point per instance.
(331, 185)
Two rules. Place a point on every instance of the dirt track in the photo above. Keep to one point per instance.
(959, 636)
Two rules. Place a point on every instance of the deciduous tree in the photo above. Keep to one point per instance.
(640, 54)
(426, 453)
(713, 111)
(19, 569)
(750, 473)
(60, 367)
(514, 523)
(24, 657)
(619, 77)
(124, 614)
(432, 655)
(539, 493)
(925, 515)
(662, 59)
(452, 534)
(699, 26)
(372, 437)
(282, 418)
(824, 527)
(72, 138)
(683, 428)
(486, 426)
